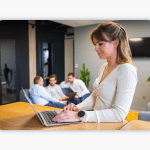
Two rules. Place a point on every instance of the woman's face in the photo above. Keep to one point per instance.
(105, 50)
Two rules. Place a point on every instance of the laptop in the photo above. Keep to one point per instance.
(71, 95)
(46, 116)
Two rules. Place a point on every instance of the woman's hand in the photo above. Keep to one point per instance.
(71, 107)
(67, 116)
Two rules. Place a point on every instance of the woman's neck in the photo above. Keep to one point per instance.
(111, 62)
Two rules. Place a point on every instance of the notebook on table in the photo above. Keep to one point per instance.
(46, 116)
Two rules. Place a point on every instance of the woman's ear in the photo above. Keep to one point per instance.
(116, 43)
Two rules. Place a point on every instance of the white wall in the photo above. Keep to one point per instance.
(84, 53)
(69, 52)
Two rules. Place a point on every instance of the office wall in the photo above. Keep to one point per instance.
(8, 57)
(84, 53)
(18, 30)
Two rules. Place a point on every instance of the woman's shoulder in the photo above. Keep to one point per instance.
(127, 69)
(127, 66)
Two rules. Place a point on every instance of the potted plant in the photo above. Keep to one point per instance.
(85, 75)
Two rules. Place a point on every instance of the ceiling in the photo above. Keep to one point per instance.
(69, 25)
(65, 26)
(78, 23)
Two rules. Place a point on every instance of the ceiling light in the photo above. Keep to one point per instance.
(135, 39)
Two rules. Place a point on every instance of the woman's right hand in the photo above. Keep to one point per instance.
(71, 107)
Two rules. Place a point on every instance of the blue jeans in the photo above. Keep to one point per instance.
(57, 105)
(85, 96)
(76, 101)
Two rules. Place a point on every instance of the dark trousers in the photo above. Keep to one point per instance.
(76, 101)
(57, 105)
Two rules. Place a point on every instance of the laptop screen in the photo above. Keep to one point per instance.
(28, 99)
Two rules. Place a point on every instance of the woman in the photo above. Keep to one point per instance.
(115, 86)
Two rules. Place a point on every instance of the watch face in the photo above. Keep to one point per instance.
(81, 113)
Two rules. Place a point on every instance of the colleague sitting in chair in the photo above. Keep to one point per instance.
(54, 89)
(76, 85)
(39, 95)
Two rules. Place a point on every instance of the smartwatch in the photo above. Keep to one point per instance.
(81, 114)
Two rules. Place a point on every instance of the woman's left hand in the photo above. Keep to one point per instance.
(67, 116)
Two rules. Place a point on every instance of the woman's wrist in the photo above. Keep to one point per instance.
(81, 115)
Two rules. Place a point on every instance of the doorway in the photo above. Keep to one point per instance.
(47, 61)
(7, 71)
(69, 55)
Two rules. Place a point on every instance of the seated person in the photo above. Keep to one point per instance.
(39, 95)
(54, 89)
(76, 85)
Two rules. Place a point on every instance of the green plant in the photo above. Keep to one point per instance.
(148, 80)
(85, 75)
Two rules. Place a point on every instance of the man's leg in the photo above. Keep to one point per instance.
(57, 105)
(84, 97)
(66, 91)
(74, 100)
(78, 100)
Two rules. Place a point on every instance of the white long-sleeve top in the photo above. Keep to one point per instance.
(112, 98)
(77, 86)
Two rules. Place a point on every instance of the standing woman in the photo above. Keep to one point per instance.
(115, 86)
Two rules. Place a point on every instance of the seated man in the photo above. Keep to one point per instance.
(54, 89)
(76, 85)
(39, 95)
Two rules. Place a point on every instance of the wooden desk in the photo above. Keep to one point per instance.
(137, 125)
(20, 116)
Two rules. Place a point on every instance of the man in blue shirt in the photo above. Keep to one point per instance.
(40, 96)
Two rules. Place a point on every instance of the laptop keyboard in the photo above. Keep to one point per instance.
(48, 116)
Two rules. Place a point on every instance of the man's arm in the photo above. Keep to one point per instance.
(63, 96)
(64, 84)
(60, 91)
(44, 93)
(83, 87)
